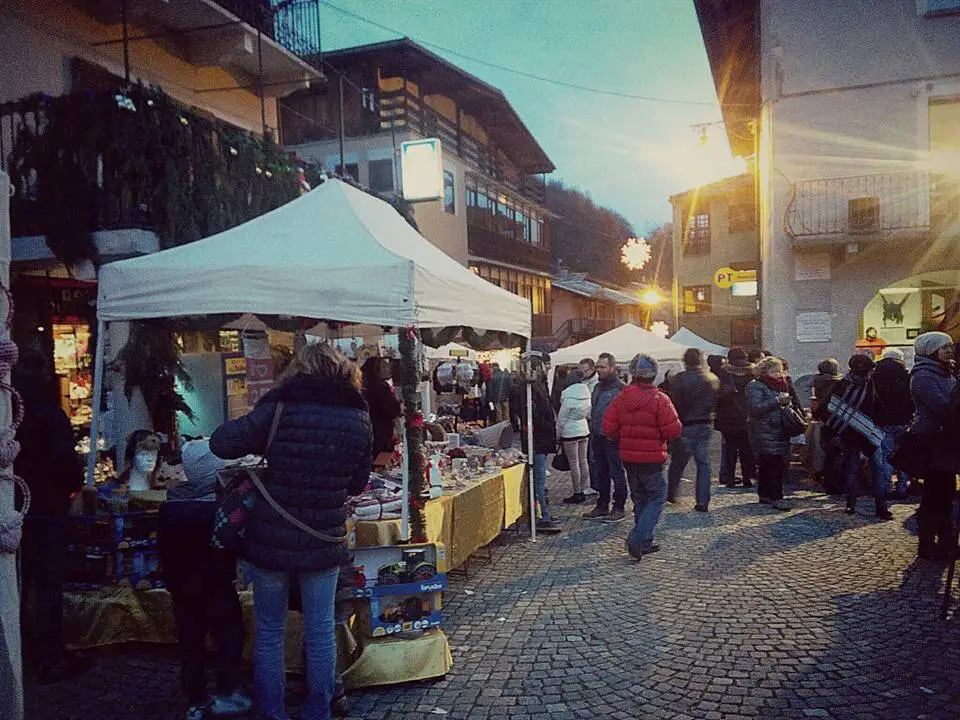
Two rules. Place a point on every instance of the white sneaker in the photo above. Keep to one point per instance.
(590, 491)
(230, 705)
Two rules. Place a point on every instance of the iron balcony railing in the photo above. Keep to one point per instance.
(880, 204)
(294, 24)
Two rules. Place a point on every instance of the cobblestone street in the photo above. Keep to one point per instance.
(744, 613)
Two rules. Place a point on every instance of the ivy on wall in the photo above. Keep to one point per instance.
(137, 158)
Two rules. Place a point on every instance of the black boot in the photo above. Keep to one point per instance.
(882, 512)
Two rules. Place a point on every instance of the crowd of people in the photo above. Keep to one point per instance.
(620, 438)
(640, 437)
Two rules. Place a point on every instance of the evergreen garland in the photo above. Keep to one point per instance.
(151, 361)
(413, 418)
(89, 161)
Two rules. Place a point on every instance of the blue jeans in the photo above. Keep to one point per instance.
(606, 468)
(271, 592)
(850, 469)
(695, 443)
(540, 484)
(892, 433)
(648, 489)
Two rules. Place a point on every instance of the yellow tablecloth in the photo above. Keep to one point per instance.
(463, 521)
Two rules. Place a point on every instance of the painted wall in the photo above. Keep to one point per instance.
(737, 249)
(815, 125)
(39, 39)
(447, 231)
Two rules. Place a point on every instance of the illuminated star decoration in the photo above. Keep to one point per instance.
(635, 253)
(660, 328)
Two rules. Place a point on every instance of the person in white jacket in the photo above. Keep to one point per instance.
(573, 430)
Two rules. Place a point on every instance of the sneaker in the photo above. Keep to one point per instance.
(597, 513)
(634, 550)
(589, 492)
(196, 712)
(701, 508)
(236, 703)
(547, 527)
(616, 515)
(575, 499)
(747, 484)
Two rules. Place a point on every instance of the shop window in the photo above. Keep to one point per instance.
(697, 241)
(381, 175)
(696, 299)
(449, 193)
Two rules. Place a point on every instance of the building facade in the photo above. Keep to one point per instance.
(857, 151)
(583, 309)
(715, 229)
(491, 217)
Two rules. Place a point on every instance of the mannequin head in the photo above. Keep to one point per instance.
(142, 452)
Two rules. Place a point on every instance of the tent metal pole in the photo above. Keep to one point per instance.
(97, 394)
(405, 495)
(530, 478)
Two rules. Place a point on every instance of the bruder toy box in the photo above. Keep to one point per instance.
(401, 585)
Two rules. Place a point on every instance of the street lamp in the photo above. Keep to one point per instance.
(650, 298)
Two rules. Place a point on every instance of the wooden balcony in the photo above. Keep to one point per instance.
(485, 243)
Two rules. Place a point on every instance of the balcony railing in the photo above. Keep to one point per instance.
(294, 24)
(871, 205)
(491, 245)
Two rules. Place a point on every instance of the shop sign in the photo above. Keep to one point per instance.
(234, 366)
(421, 170)
(726, 277)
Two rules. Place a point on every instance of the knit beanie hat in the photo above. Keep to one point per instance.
(861, 364)
(930, 342)
(200, 467)
(643, 366)
(893, 353)
(829, 366)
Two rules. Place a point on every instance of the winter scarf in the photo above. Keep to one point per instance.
(776, 384)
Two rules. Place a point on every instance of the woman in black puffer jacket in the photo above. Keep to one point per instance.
(320, 454)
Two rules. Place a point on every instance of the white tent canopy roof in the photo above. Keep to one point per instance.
(688, 338)
(623, 343)
(445, 352)
(335, 253)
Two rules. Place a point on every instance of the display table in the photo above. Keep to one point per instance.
(463, 521)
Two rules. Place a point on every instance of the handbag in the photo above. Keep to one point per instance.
(560, 461)
(237, 489)
(792, 421)
(910, 454)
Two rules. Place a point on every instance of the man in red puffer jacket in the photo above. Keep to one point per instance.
(644, 420)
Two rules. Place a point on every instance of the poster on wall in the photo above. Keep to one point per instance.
(814, 327)
(811, 266)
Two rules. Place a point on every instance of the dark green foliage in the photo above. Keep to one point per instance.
(89, 161)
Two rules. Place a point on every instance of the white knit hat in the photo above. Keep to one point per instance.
(930, 342)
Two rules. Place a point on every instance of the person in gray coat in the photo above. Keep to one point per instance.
(932, 385)
(766, 396)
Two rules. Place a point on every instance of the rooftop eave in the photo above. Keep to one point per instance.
(730, 30)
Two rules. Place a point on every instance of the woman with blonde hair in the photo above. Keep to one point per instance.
(766, 396)
(319, 454)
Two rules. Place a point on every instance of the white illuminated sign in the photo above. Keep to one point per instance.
(744, 289)
(421, 170)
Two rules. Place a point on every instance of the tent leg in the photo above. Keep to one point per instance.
(405, 495)
(530, 478)
(97, 395)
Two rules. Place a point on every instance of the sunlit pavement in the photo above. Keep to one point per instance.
(744, 613)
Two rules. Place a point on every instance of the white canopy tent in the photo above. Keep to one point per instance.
(451, 351)
(688, 338)
(335, 253)
(623, 343)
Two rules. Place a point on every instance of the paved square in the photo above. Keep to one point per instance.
(744, 613)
